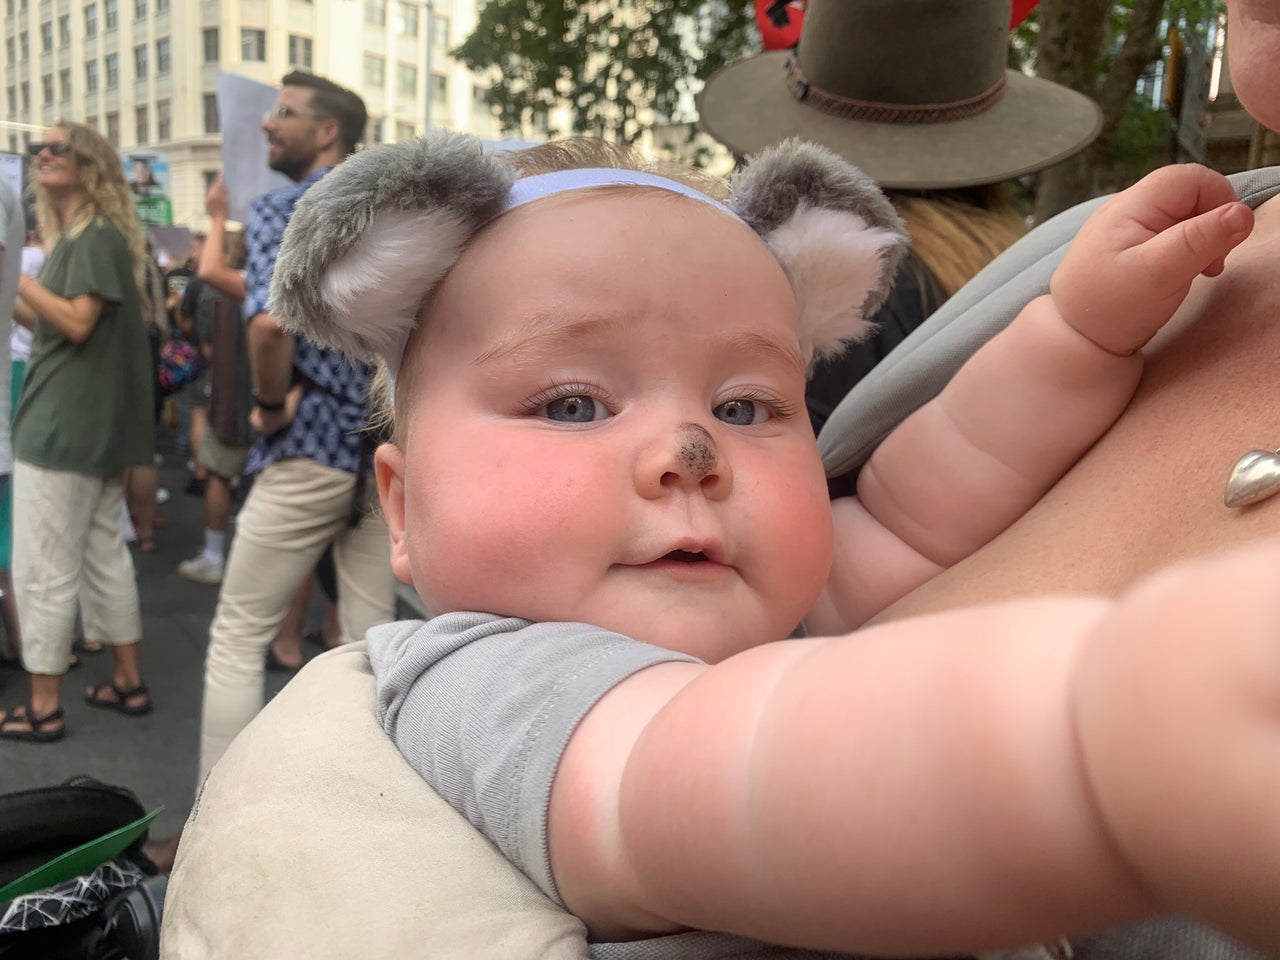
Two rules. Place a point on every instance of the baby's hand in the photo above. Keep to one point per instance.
(1130, 266)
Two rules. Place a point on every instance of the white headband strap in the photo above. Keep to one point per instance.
(528, 189)
(533, 188)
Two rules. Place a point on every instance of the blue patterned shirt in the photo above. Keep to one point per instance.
(331, 414)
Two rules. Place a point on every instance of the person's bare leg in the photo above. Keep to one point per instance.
(331, 628)
(141, 484)
(46, 697)
(217, 503)
(9, 615)
(287, 646)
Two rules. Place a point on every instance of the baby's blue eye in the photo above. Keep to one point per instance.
(741, 413)
(576, 409)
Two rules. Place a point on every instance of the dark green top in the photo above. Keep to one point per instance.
(87, 407)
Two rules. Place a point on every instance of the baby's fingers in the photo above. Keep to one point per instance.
(1197, 245)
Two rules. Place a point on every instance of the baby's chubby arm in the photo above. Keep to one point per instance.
(1027, 405)
(966, 781)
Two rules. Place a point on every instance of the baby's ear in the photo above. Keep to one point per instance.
(835, 233)
(388, 469)
(367, 243)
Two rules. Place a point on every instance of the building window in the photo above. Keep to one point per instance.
(46, 84)
(8, 9)
(13, 98)
(162, 57)
(139, 9)
(372, 134)
(113, 128)
(112, 62)
(440, 32)
(91, 122)
(8, 49)
(91, 76)
(111, 13)
(299, 51)
(210, 44)
(46, 36)
(64, 83)
(439, 88)
(24, 45)
(480, 99)
(164, 127)
(212, 124)
(91, 20)
(406, 79)
(253, 45)
(375, 12)
(404, 131)
(375, 70)
(209, 177)
(162, 6)
(141, 124)
(140, 61)
(406, 23)
(64, 30)
(25, 91)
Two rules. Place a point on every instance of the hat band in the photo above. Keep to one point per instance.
(873, 112)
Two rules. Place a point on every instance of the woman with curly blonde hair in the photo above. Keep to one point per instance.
(83, 420)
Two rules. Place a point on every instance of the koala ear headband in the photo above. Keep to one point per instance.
(369, 241)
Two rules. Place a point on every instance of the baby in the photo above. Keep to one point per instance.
(604, 484)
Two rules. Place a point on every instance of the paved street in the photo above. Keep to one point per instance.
(153, 755)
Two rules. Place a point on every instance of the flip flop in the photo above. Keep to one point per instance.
(37, 733)
(97, 697)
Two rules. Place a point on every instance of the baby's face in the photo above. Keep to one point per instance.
(608, 426)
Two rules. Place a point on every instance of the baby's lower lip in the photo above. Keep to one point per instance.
(695, 570)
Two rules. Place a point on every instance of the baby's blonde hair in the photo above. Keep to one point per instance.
(575, 153)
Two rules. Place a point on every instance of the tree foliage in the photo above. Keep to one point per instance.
(617, 65)
(1102, 48)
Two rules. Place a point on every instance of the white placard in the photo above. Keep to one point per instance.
(241, 104)
(11, 170)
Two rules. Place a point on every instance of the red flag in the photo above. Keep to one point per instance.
(1020, 10)
(779, 22)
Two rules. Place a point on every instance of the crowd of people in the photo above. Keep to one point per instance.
(613, 502)
(111, 338)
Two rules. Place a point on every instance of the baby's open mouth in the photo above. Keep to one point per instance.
(684, 556)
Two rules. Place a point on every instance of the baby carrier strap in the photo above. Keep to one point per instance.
(921, 365)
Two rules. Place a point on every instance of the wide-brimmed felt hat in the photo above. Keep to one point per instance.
(915, 92)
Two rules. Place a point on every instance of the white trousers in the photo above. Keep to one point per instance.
(294, 510)
(68, 548)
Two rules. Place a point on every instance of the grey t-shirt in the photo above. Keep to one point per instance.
(482, 708)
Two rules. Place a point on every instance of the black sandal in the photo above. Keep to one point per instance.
(38, 732)
(97, 697)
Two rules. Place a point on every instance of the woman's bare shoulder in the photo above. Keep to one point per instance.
(1151, 490)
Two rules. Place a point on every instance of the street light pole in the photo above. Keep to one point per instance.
(430, 31)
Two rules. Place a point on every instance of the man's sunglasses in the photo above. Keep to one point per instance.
(59, 148)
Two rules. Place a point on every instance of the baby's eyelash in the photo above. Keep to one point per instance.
(558, 391)
(782, 409)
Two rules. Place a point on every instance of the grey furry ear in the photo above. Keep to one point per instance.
(368, 242)
(835, 233)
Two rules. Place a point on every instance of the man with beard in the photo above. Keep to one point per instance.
(310, 405)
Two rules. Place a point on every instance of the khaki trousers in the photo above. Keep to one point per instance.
(67, 548)
(294, 510)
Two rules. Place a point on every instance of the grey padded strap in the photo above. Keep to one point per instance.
(916, 371)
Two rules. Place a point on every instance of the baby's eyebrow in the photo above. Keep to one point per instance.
(544, 334)
(788, 353)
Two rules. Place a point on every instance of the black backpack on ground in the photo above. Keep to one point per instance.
(110, 913)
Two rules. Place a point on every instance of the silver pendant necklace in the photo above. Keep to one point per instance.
(1255, 477)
